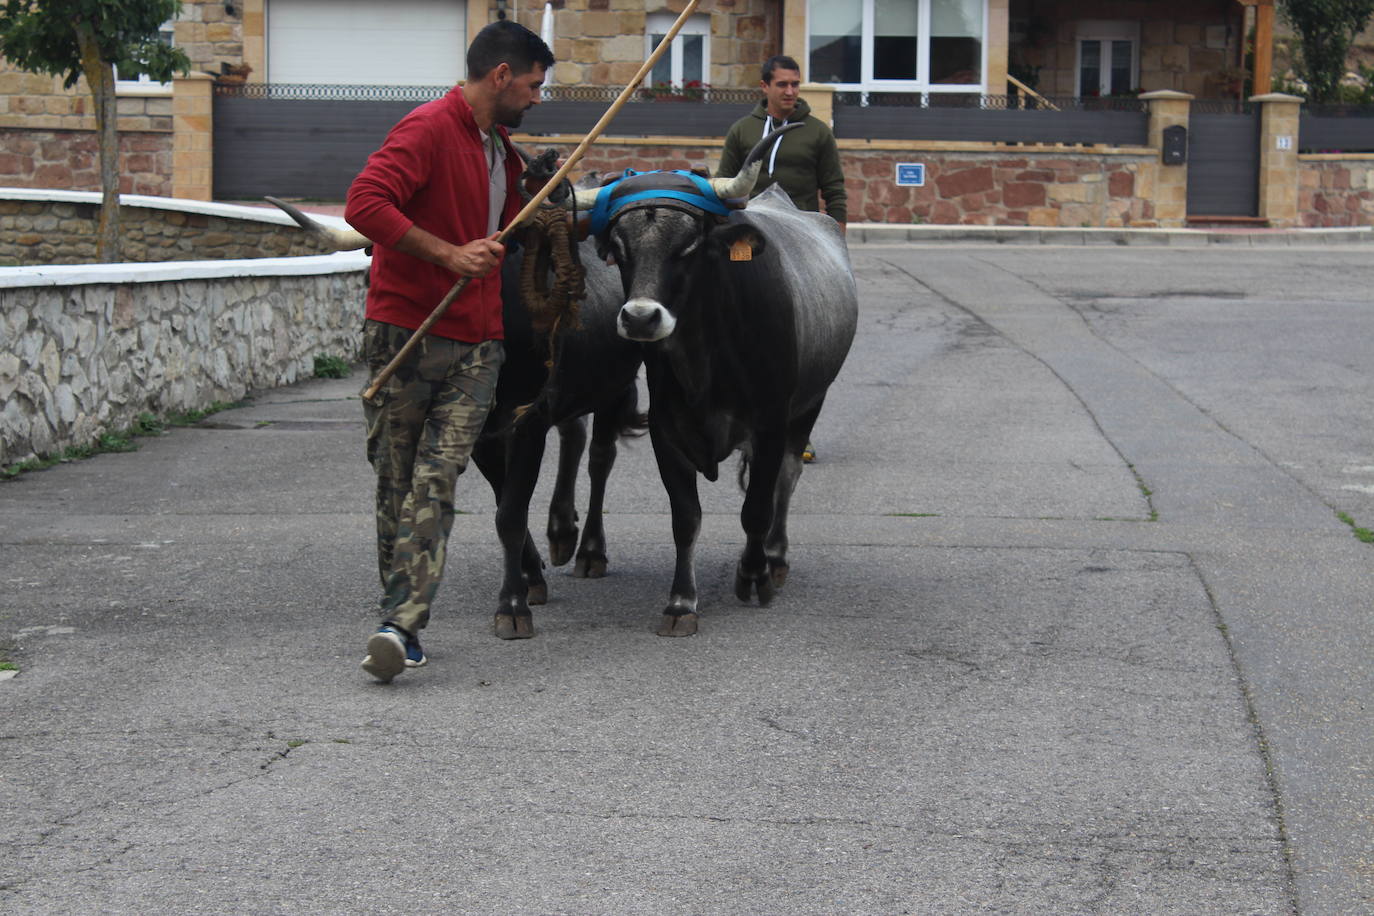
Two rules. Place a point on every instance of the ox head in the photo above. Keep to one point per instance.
(669, 233)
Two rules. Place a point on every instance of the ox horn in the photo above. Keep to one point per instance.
(339, 239)
(738, 188)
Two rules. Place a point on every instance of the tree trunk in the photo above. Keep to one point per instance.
(100, 77)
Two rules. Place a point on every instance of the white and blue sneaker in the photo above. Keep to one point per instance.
(390, 651)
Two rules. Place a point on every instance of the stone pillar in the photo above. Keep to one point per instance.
(821, 98)
(192, 136)
(1278, 158)
(1168, 109)
(998, 25)
(794, 34)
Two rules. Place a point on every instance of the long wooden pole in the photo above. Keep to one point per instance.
(390, 368)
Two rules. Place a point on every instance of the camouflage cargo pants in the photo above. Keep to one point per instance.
(418, 441)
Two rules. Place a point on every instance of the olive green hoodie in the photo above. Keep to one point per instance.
(806, 161)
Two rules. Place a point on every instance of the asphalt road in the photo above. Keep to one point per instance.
(1073, 626)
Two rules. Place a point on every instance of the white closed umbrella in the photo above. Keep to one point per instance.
(546, 28)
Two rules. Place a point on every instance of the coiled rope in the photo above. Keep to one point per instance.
(550, 249)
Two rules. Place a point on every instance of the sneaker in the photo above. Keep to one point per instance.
(390, 651)
(809, 453)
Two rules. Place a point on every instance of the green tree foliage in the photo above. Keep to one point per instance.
(76, 38)
(1325, 30)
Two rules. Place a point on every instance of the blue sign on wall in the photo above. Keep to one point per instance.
(911, 174)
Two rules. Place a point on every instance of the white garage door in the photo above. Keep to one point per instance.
(366, 42)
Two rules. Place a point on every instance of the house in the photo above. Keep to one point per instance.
(913, 53)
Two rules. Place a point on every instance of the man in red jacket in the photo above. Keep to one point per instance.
(433, 200)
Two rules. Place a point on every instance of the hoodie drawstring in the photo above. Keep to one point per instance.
(767, 129)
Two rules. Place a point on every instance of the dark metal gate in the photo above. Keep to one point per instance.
(1223, 160)
(311, 141)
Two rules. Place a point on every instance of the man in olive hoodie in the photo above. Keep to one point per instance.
(805, 161)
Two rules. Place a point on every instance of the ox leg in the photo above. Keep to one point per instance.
(490, 457)
(525, 452)
(591, 553)
(775, 545)
(562, 530)
(680, 482)
(753, 575)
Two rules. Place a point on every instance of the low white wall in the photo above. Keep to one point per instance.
(85, 349)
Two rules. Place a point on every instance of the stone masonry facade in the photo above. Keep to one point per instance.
(1004, 189)
(50, 232)
(1185, 45)
(68, 160)
(610, 47)
(1336, 192)
(79, 361)
(1007, 187)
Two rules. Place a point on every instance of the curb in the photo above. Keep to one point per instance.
(879, 233)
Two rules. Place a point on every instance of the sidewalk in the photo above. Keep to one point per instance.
(883, 233)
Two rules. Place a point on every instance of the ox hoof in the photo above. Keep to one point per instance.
(746, 586)
(561, 548)
(590, 567)
(678, 625)
(510, 626)
(537, 594)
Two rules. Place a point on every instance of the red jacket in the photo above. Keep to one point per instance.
(431, 172)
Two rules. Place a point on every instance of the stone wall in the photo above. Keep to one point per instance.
(1336, 192)
(59, 232)
(77, 361)
(973, 184)
(1007, 187)
(69, 159)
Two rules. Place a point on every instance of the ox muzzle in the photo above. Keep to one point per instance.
(645, 321)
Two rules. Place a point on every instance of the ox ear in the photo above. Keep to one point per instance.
(736, 236)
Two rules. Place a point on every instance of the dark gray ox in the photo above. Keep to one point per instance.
(743, 322)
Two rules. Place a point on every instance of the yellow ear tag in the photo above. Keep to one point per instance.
(741, 250)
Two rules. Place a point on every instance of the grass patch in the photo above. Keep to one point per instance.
(8, 666)
(912, 514)
(332, 367)
(1146, 492)
(192, 417)
(1364, 535)
(146, 424)
(296, 742)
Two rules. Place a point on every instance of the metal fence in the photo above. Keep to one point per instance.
(1000, 119)
(311, 140)
(1336, 129)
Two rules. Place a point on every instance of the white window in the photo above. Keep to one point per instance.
(688, 61)
(901, 45)
(144, 84)
(1108, 58)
